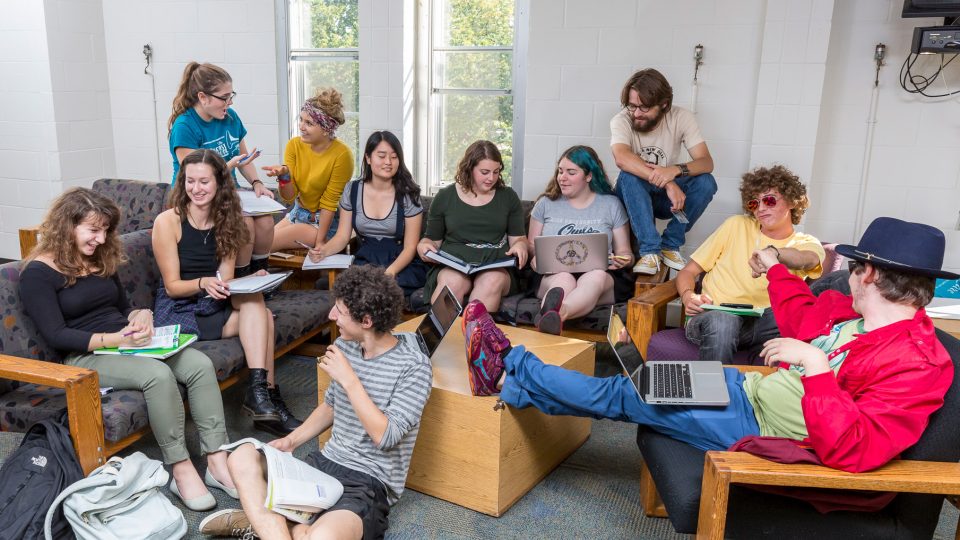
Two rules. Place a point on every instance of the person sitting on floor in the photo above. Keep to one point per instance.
(70, 288)
(861, 391)
(578, 200)
(380, 382)
(383, 208)
(196, 243)
(774, 200)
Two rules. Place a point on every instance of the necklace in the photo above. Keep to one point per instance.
(197, 227)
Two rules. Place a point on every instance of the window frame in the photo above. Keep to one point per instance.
(429, 128)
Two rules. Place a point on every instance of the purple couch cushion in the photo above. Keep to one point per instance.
(672, 344)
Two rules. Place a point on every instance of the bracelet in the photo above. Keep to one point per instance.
(253, 182)
(200, 283)
(101, 341)
(773, 247)
(283, 179)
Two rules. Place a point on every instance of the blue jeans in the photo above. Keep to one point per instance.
(719, 335)
(558, 391)
(645, 201)
(299, 214)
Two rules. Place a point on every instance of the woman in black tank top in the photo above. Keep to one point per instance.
(196, 244)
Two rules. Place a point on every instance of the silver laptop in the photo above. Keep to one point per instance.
(667, 382)
(571, 253)
(437, 322)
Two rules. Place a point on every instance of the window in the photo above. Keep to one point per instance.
(324, 50)
(470, 64)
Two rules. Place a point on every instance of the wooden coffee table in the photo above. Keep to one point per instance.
(475, 451)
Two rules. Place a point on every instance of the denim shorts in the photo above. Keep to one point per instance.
(299, 214)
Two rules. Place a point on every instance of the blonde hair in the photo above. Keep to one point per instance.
(330, 101)
(58, 238)
(196, 78)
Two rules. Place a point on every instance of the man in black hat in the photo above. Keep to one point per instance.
(860, 374)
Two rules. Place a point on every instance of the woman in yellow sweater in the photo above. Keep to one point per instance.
(316, 167)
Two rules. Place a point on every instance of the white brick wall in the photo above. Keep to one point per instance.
(784, 81)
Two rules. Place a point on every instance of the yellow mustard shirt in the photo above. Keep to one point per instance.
(724, 257)
(318, 178)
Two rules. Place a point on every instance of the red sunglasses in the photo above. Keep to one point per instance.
(767, 200)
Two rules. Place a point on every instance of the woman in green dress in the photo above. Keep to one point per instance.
(479, 220)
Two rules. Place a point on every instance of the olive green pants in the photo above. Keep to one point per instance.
(158, 379)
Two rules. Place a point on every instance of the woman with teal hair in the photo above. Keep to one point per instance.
(579, 200)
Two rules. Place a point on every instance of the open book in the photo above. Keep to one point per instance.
(258, 206)
(164, 337)
(333, 261)
(295, 490)
(447, 259)
(160, 354)
(743, 312)
(254, 283)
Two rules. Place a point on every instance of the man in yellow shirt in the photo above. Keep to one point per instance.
(774, 200)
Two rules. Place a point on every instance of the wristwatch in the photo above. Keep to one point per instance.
(773, 247)
(684, 170)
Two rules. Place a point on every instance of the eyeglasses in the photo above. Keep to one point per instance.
(767, 200)
(631, 108)
(225, 98)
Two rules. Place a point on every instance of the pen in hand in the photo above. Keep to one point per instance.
(303, 244)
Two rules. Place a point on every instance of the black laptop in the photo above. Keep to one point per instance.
(667, 382)
(437, 322)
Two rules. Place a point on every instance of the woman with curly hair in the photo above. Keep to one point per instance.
(579, 200)
(316, 166)
(196, 243)
(383, 208)
(774, 200)
(203, 119)
(477, 219)
(70, 288)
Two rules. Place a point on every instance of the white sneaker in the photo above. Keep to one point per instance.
(673, 259)
(647, 264)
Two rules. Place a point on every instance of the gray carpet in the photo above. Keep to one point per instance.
(593, 494)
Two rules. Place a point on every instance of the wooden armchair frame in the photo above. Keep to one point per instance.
(83, 401)
(647, 312)
(721, 469)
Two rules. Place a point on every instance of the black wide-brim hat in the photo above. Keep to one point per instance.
(911, 248)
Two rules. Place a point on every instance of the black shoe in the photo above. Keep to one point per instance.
(256, 400)
(287, 422)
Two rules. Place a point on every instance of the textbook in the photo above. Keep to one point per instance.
(743, 312)
(328, 263)
(254, 283)
(159, 354)
(447, 259)
(258, 206)
(295, 490)
(164, 337)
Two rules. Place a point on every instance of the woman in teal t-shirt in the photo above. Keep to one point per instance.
(478, 219)
(203, 120)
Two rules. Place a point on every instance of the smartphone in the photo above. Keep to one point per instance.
(738, 306)
(681, 217)
(255, 153)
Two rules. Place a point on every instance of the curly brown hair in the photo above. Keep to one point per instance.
(781, 179)
(58, 237)
(369, 292)
(475, 153)
(330, 101)
(225, 210)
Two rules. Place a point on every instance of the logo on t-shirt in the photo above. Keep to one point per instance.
(654, 155)
(570, 228)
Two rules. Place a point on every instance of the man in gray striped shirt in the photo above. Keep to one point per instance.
(379, 385)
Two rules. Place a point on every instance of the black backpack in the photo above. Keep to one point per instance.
(32, 477)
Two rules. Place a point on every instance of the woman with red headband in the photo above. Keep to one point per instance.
(316, 167)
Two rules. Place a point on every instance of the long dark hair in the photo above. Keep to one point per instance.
(225, 209)
(403, 182)
(58, 238)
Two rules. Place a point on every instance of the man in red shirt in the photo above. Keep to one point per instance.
(860, 374)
